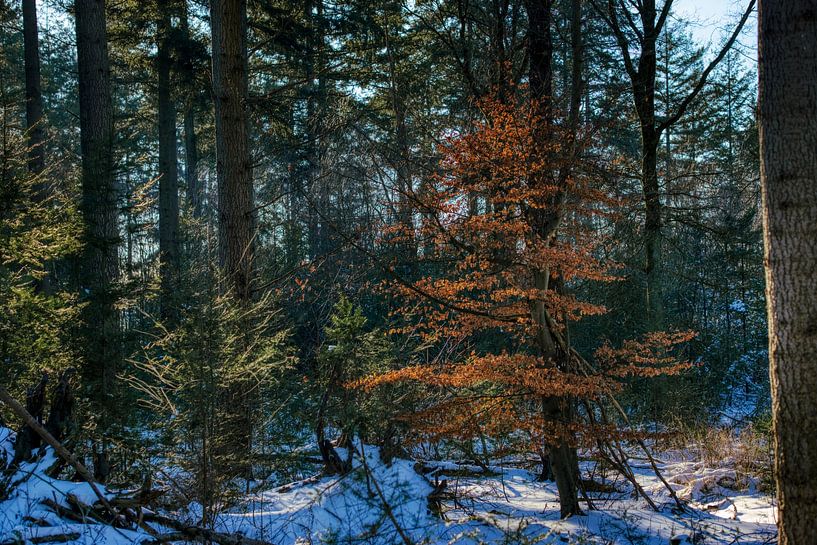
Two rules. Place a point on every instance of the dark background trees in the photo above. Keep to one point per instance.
(276, 156)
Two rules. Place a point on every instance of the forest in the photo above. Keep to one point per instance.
(408, 272)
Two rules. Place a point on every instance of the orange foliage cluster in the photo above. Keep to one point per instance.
(653, 356)
(482, 248)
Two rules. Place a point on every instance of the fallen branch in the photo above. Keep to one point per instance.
(53, 538)
(65, 512)
(386, 507)
(61, 451)
(203, 535)
(589, 370)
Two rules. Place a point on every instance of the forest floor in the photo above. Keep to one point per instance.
(379, 504)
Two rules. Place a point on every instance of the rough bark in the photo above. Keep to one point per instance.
(233, 162)
(788, 140)
(100, 264)
(168, 165)
(228, 21)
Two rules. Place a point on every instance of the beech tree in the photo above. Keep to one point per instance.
(497, 273)
(787, 50)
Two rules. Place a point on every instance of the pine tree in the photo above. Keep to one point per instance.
(100, 201)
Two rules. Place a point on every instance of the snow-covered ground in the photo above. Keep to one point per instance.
(378, 504)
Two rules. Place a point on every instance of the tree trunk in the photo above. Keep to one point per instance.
(194, 189)
(652, 228)
(642, 75)
(788, 140)
(228, 20)
(233, 162)
(34, 96)
(401, 159)
(314, 181)
(195, 196)
(34, 115)
(100, 264)
(561, 455)
(168, 167)
(644, 95)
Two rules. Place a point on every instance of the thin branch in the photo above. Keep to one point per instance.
(682, 108)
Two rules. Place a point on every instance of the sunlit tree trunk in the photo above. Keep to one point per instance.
(233, 162)
(788, 149)
(236, 215)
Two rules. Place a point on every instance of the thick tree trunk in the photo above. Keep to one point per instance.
(233, 162)
(168, 166)
(788, 147)
(228, 20)
(34, 96)
(100, 264)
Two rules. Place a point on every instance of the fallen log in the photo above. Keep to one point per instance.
(92, 512)
(451, 469)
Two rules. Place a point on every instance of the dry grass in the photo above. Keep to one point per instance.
(748, 450)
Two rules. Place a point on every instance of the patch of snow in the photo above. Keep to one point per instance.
(387, 504)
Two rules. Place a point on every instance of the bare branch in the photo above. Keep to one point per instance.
(682, 108)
